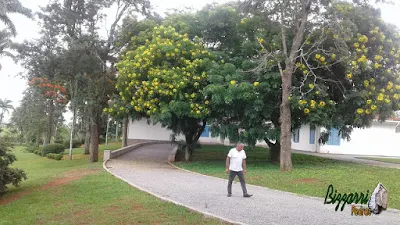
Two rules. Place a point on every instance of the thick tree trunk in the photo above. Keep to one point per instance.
(285, 119)
(125, 132)
(87, 136)
(94, 142)
(188, 153)
(286, 76)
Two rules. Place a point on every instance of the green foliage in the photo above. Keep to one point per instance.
(53, 148)
(75, 143)
(54, 156)
(8, 175)
(32, 148)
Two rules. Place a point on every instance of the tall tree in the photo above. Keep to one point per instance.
(77, 22)
(163, 79)
(10, 7)
(295, 23)
(5, 106)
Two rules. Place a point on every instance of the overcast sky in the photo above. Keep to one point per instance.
(11, 87)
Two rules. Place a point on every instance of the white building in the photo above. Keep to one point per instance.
(381, 139)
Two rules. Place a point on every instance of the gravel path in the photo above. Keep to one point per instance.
(148, 169)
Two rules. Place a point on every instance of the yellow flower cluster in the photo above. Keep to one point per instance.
(165, 68)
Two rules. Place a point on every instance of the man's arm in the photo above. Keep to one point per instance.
(227, 164)
(244, 166)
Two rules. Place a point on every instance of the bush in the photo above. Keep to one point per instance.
(55, 156)
(59, 141)
(75, 143)
(38, 151)
(8, 175)
(53, 148)
(32, 148)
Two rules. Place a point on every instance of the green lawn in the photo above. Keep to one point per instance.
(310, 175)
(77, 192)
(388, 160)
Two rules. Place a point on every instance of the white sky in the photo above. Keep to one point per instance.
(11, 87)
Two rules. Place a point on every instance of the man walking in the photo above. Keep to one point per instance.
(236, 165)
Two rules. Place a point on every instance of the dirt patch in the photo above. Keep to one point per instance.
(68, 177)
(137, 207)
(305, 180)
(112, 208)
(81, 213)
(13, 197)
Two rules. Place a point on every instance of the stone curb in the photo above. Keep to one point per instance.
(167, 199)
(274, 190)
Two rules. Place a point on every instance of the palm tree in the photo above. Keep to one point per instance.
(5, 43)
(12, 6)
(5, 105)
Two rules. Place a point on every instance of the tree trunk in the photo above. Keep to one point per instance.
(50, 120)
(125, 124)
(72, 133)
(55, 133)
(286, 76)
(116, 131)
(94, 141)
(87, 136)
(285, 119)
(37, 139)
(188, 154)
(274, 151)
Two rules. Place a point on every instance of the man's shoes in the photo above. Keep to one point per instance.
(229, 195)
(247, 195)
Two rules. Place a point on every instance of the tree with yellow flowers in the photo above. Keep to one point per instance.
(164, 78)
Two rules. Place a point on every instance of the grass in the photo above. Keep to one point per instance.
(388, 160)
(57, 192)
(310, 176)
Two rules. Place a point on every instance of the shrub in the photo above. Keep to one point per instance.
(38, 151)
(59, 141)
(8, 175)
(53, 148)
(55, 156)
(32, 148)
(75, 143)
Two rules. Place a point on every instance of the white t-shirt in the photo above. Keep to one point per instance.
(236, 159)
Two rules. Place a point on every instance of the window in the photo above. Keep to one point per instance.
(312, 135)
(206, 132)
(295, 136)
(334, 138)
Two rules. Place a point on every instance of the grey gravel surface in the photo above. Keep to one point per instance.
(148, 169)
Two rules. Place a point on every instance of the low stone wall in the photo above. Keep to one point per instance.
(112, 154)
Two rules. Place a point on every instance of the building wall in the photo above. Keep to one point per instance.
(378, 140)
(139, 129)
(143, 131)
(303, 141)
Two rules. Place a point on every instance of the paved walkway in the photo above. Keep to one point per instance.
(146, 168)
(352, 158)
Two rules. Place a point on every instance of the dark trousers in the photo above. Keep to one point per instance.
(232, 175)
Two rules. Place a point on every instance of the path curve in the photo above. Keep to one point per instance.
(147, 169)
